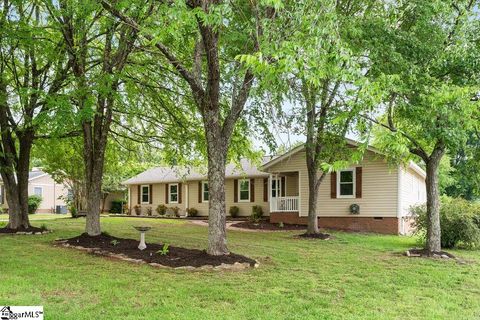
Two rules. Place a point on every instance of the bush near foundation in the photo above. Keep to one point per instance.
(234, 210)
(34, 202)
(459, 222)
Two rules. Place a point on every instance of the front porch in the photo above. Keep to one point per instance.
(284, 190)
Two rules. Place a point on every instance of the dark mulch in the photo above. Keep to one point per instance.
(264, 225)
(176, 256)
(22, 229)
(321, 236)
(427, 254)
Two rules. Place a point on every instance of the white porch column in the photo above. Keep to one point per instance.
(186, 198)
(299, 193)
(269, 197)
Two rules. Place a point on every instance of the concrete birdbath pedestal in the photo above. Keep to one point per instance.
(142, 230)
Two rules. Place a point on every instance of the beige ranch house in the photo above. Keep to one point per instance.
(383, 193)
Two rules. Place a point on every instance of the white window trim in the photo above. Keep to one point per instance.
(141, 194)
(203, 192)
(239, 190)
(170, 192)
(339, 176)
(41, 190)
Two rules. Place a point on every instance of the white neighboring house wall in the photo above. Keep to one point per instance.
(52, 193)
(41, 183)
(412, 193)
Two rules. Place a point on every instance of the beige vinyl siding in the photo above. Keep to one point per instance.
(413, 190)
(291, 185)
(245, 207)
(379, 188)
(158, 197)
(379, 191)
(111, 197)
(296, 162)
(53, 194)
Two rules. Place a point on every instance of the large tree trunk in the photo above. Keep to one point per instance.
(94, 157)
(16, 185)
(217, 157)
(433, 205)
(11, 194)
(92, 226)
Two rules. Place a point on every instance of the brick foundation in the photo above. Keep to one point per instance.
(364, 224)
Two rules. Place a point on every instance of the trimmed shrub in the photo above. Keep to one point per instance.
(176, 211)
(73, 211)
(192, 212)
(149, 211)
(257, 213)
(138, 210)
(234, 211)
(459, 222)
(117, 205)
(161, 209)
(33, 203)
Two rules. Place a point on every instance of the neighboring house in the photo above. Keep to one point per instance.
(384, 193)
(53, 194)
(42, 184)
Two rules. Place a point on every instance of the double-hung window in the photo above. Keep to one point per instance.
(346, 183)
(145, 194)
(173, 193)
(38, 191)
(244, 190)
(205, 194)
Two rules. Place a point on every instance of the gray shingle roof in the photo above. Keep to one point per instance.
(178, 174)
(33, 174)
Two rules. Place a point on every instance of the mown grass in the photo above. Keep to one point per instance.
(354, 276)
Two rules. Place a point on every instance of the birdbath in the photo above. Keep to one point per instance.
(142, 230)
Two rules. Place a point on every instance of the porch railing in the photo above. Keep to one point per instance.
(284, 204)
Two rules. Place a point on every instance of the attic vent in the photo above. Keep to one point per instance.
(377, 218)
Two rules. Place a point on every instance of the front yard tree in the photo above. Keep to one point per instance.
(98, 50)
(33, 71)
(200, 40)
(319, 68)
(427, 65)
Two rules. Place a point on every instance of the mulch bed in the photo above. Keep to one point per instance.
(22, 230)
(321, 236)
(426, 254)
(176, 256)
(264, 225)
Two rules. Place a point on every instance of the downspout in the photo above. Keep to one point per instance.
(186, 199)
(129, 199)
(299, 195)
(269, 197)
(399, 200)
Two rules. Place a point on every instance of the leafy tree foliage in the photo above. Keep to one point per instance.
(200, 41)
(426, 64)
(317, 65)
(33, 71)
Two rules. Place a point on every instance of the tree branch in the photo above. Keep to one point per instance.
(182, 70)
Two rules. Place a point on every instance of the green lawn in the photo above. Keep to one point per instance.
(354, 276)
(39, 216)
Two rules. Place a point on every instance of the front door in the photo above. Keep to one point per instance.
(276, 188)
